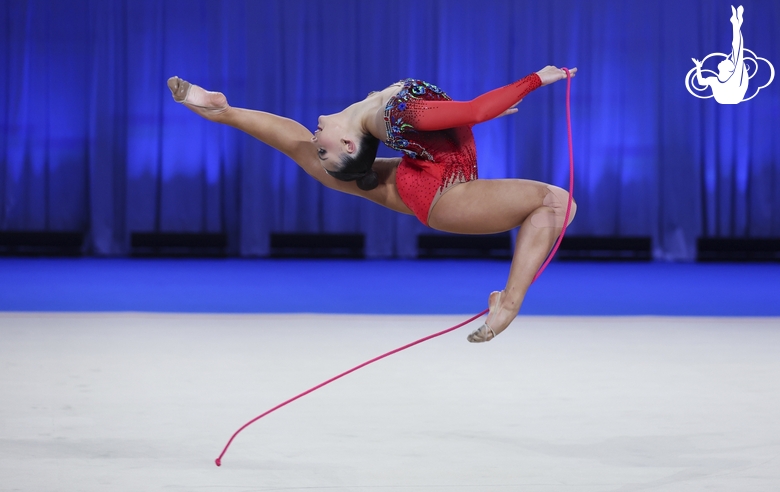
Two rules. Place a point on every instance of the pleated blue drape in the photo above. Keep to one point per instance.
(91, 141)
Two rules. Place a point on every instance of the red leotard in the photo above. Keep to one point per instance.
(434, 132)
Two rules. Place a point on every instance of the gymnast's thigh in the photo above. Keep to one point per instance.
(487, 206)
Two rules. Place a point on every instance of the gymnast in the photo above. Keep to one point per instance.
(435, 179)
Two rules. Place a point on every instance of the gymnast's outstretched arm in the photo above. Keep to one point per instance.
(440, 115)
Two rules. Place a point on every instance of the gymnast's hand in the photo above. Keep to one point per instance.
(511, 110)
(550, 74)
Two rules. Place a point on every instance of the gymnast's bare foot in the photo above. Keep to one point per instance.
(501, 315)
(206, 103)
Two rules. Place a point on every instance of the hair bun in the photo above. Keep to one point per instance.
(369, 181)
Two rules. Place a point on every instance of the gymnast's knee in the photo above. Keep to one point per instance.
(557, 199)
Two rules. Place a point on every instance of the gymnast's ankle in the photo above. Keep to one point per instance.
(503, 312)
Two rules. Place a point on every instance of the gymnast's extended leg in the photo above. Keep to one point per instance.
(493, 206)
(281, 133)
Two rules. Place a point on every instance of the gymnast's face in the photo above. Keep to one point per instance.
(331, 139)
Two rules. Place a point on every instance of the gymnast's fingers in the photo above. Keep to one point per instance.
(509, 111)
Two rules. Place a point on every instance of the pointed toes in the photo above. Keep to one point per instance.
(178, 88)
(480, 335)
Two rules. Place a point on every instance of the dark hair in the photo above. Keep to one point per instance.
(358, 167)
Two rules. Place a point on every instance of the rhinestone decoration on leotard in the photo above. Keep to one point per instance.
(433, 160)
(400, 110)
(444, 153)
(451, 150)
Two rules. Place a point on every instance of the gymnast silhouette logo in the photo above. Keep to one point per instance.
(730, 84)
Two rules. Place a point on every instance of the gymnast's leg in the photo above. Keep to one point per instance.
(214, 106)
(492, 206)
(280, 133)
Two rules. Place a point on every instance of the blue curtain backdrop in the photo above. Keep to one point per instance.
(91, 140)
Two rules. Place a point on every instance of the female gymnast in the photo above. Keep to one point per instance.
(436, 177)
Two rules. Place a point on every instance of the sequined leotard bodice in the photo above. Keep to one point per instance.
(434, 133)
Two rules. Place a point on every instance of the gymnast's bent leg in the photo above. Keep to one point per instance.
(491, 206)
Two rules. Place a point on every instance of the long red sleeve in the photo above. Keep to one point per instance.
(440, 115)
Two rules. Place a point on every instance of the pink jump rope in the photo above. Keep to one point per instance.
(218, 461)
